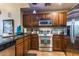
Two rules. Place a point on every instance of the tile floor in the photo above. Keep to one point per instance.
(42, 53)
(8, 52)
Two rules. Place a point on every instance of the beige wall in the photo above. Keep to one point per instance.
(14, 10)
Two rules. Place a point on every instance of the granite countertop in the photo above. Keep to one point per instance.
(59, 35)
(6, 39)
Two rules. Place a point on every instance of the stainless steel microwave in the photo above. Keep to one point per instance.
(45, 22)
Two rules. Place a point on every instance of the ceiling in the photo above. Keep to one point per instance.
(41, 7)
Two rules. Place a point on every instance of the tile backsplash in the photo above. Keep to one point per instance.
(32, 30)
(55, 30)
(59, 31)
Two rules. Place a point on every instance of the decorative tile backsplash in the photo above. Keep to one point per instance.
(59, 30)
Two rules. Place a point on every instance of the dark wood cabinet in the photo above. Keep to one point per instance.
(41, 16)
(28, 40)
(59, 43)
(30, 20)
(34, 42)
(58, 18)
(26, 20)
(34, 20)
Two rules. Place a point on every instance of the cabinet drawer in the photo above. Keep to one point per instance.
(19, 49)
(18, 41)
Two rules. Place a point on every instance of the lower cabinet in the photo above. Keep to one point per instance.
(26, 44)
(22, 46)
(19, 49)
(59, 43)
(28, 40)
(34, 42)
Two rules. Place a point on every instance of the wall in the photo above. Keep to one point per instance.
(12, 9)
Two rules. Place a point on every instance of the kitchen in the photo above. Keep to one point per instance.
(45, 29)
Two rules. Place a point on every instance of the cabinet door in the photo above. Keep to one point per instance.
(55, 19)
(48, 16)
(25, 45)
(18, 41)
(26, 20)
(63, 43)
(56, 44)
(29, 39)
(62, 18)
(34, 20)
(34, 43)
(19, 49)
(42, 16)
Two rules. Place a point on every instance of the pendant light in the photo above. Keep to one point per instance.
(34, 11)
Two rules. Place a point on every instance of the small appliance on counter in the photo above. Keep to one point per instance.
(25, 30)
(18, 30)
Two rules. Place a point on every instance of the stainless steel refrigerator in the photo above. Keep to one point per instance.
(73, 27)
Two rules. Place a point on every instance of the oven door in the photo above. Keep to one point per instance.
(45, 41)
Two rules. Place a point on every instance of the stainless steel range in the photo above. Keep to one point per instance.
(45, 39)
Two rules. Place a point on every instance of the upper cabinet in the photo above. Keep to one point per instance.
(43, 16)
(62, 18)
(30, 20)
(55, 19)
(26, 20)
(58, 18)
(34, 20)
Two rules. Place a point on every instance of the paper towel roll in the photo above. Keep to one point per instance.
(25, 30)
